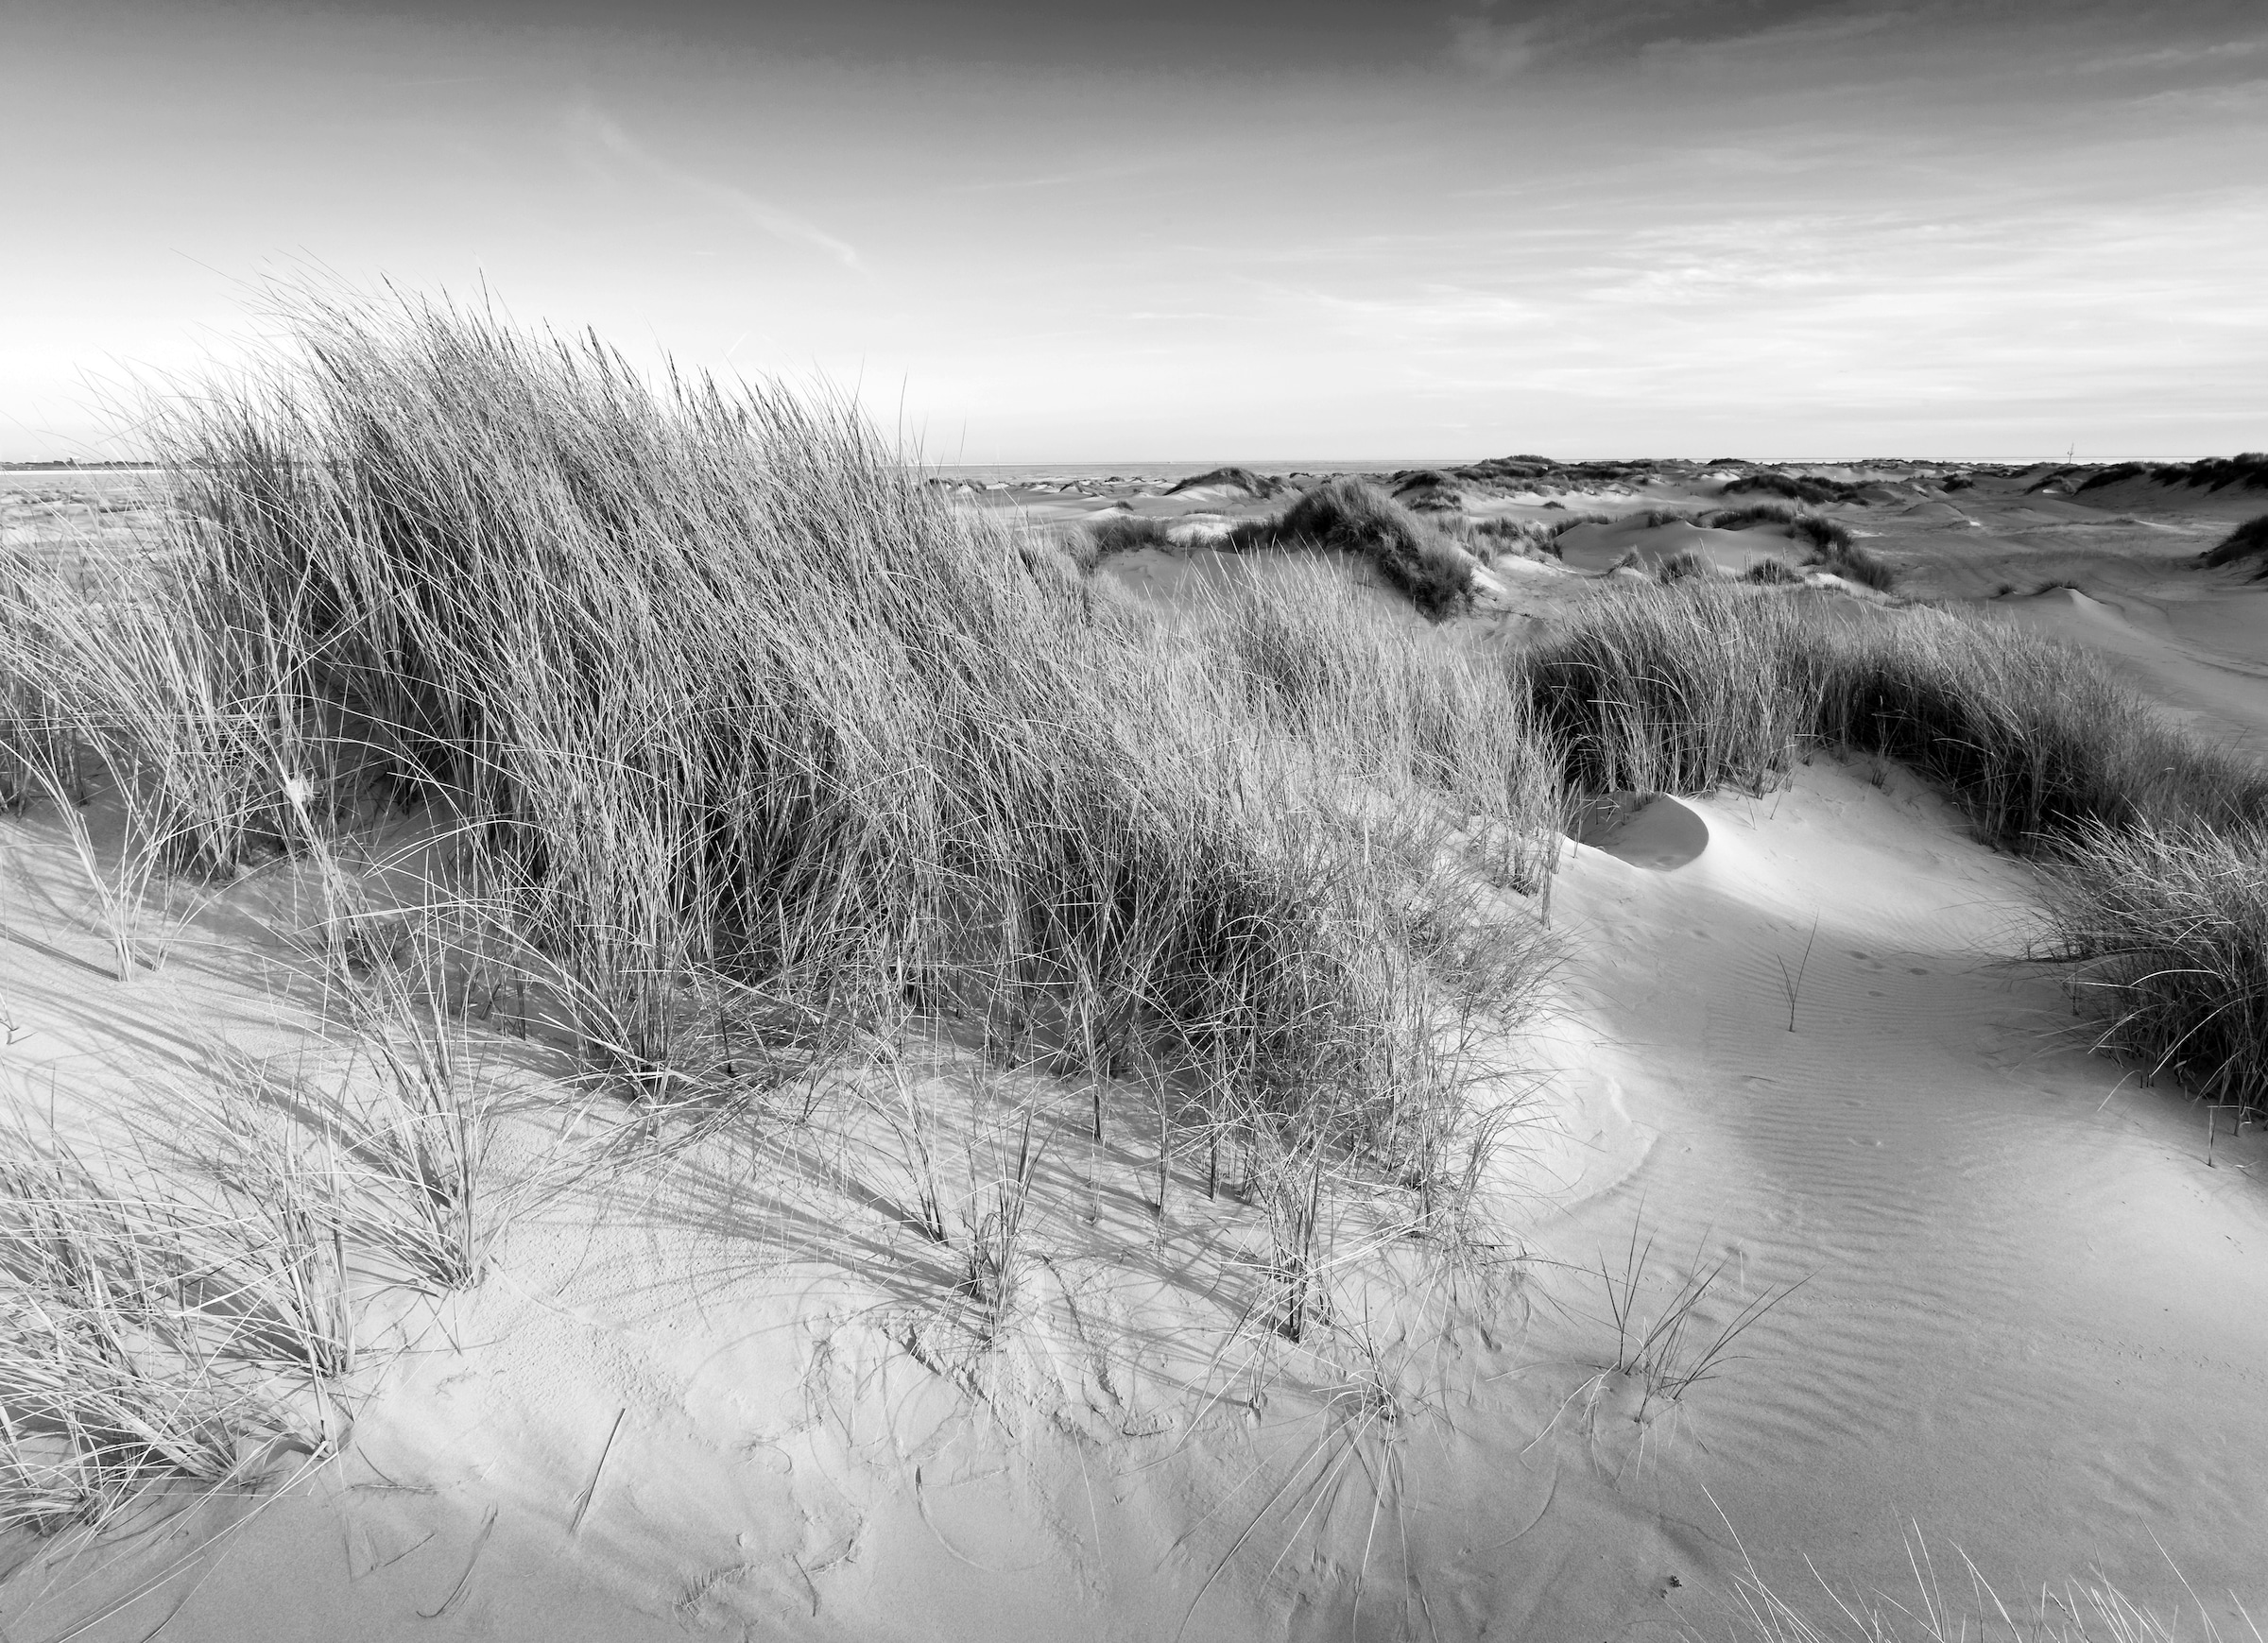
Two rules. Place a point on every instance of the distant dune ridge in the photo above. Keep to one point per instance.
(2248, 470)
(1796, 488)
(1244, 479)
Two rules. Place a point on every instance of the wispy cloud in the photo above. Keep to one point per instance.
(1795, 36)
(2173, 56)
(1057, 178)
(1498, 49)
(2244, 96)
(589, 125)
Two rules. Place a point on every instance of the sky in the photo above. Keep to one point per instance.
(1036, 230)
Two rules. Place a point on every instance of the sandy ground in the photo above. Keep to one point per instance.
(2013, 1300)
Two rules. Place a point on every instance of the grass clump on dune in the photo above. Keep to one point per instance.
(2247, 543)
(1675, 691)
(1259, 485)
(1349, 516)
(2153, 843)
(726, 690)
(1123, 534)
(1833, 548)
(749, 749)
(1683, 690)
(1487, 537)
(1795, 487)
(1427, 491)
(2167, 927)
(2248, 469)
(150, 1332)
(1684, 564)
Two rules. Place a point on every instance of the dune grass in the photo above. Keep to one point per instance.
(1959, 1605)
(745, 745)
(748, 747)
(1683, 690)
(152, 1331)
(2166, 927)
(1675, 691)
(1833, 548)
(1427, 491)
(1795, 487)
(1487, 537)
(1683, 564)
(1259, 485)
(1092, 543)
(2153, 845)
(1351, 515)
(2246, 544)
(2246, 470)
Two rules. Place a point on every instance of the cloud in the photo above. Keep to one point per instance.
(2173, 56)
(785, 225)
(1078, 178)
(1793, 35)
(2244, 97)
(1660, 32)
(1498, 50)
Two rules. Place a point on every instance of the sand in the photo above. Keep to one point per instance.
(2013, 1301)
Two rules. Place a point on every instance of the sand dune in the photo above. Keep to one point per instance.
(2005, 1329)
(1793, 1055)
(2166, 649)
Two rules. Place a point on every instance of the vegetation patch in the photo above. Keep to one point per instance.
(1244, 479)
(1795, 487)
(2156, 847)
(2247, 470)
(1833, 547)
(2246, 544)
(747, 761)
(1351, 516)
(1119, 534)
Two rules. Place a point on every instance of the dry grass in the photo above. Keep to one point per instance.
(2246, 544)
(1123, 534)
(2166, 929)
(741, 750)
(1832, 546)
(2153, 845)
(755, 762)
(153, 1330)
(1795, 487)
(1959, 1605)
(1685, 689)
(1349, 516)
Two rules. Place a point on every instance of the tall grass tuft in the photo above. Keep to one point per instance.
(148, 1333)
(1353, 517)
(1686, 689)
(2166, 927)
(1677, 690)
(1796, 488)
(2246, 544)
(1832, 546)
(2156, 847)
(745, 733)
(1124, 534)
